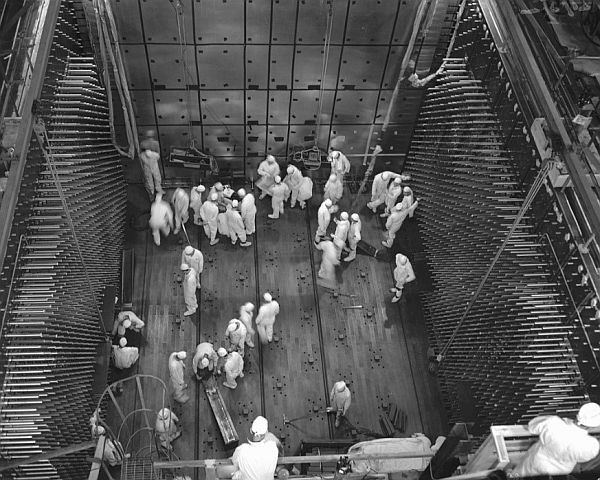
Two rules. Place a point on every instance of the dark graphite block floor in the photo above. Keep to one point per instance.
(380, 350)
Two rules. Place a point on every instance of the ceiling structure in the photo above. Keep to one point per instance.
(253, 69)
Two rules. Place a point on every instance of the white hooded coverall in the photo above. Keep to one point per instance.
(323, 218)
(166, 427)
(267, 171)
(125, 357)
(393, 224)
(248, 210)
(209, 213)
(340, 401)
(195, 204)
(278, 191)
(235, 225)
(234, 366)
(354, 237)
(393, 192)
(402, 274)
(181, 204)
(380, 186)
(176, 369)
(196, 261)
(334, 189)
(246, 319)
(341, 230)
(305, 191)
(329, 260)
(237, 337)
(409, 203)
(265, 320)
(151, 171)
(205, 349)
(161, 219)
(189, 290)
(340, 165)
(293, 181)
(136, 323)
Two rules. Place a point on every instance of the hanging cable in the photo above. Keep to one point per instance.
(326, 49)
(180, 20)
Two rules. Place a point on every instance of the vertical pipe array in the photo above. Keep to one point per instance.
(53, 325)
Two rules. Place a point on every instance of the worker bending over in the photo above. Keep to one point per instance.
(205, 361)
(267, 170)
(123, 355)
(339, 164)
(380, 186)
(246, 313)
(126, 320)
(167, 427)
(235, 335)
(176, 373)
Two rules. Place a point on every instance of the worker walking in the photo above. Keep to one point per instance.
(193, 257)
(167, 427)
(409, 202)
(161, 218)
(257, 459)
(323, 219)
(334, 190)
(205, 361)
(279, 191)
(341, 228)
(149, 158)
(403, 274)
(176, 372)
(246, 313)
(209, 213)
(126, 320)
(562, 443)
(196, 202)
(393, 223)
(339, 164)
(189, 289)
(391, 197)
(354, 236)
(124, 356)
(248, 210)
(267, 170)
(293, 180)
(181, 204)
(305, 191)
(235, 335)
(234, 366)
(236, 225)
(340, 399)
(265, 319)
(329, 260)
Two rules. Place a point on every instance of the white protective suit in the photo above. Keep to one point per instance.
(194, 260)
(181, 204)
(305, 191)
(235, 225)
(354, 237)
(161, 218)
(293, 180)
(340, 399)
(380, 186)
(236, 336)
(267, 170)
(248, 210)
(189, 291)
(266, 319)
(204, 350)
(339, 164)
(125, 357)
(334, 189)
(403, 273)
(561, 445)
(409, 202)
(112, 452)
(256, 460)
(136, 323)
(391, 196)
(323, 219)
(234, 366)
(329, 260)
(151, 171)
(341, 230)
(166, 427)
(176, 373)
(393, 224)
(209, 213)
(246, 313)
(196, 202)
(222, 224)
(278, 191)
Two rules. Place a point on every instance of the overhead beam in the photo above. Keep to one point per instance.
(56, 453)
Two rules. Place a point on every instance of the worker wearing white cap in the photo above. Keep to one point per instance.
(340, 399)
(293, 180)
(246, 313)
(149, 158)
(176, 372)
(189, 289)
(161, 218)
(205, 360)
(334, 190)
(380, 186)
(222, 358)
(236, 336)
(124, 356)
(209, 213)
(265, 319)
(196, 202)
(194, 258)
(354, 236)
(305, 191)
(234, 366)
(391, 196)
(267, 170)
(403, 273)
(257, 459)
(248, 210)
(279, 191)
(219, 189)
(408, 201)
(562, 443)
(393, 224)
(167, 427)
(342, 227)
(181, 207)
(323, 219)
(329, 260)
(236, 225)
(126, 320)
(339, 164)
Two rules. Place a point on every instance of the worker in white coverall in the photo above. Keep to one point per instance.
(293, 180)
(181, 207)
(205, 360)
(219, 189)
(248, 210)
(562, 443)
(354, 236)
(341, 228)
(234, 366)
(149, 158)
(246, 313)
(329, 260)
(380, 186)
(266, 318)
(323, 219)
(340, 399)
(409, 202)
(161, 218)
(194, 258)
(123, 355)
(167, 427)
(236, 225)
(127, 320)
(305, 191)
(334, 190)
(209, 213)
(267, 170)
(339, 164)
(196, 202)
(176, 372)
(257, 459)
(235, 335)
(189, 289)
(391, 196)
(403, 273)
(279, 191)
(393, 224)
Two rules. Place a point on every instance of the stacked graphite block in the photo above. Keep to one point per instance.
(53, 325)
(511, 359)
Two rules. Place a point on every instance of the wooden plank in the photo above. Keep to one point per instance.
(226, 426)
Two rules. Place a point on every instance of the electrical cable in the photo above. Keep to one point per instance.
(326, 49)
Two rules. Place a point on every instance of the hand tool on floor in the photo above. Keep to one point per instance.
(353, 307)
(186, 235)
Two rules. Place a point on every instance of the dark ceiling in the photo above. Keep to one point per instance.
(253, 69)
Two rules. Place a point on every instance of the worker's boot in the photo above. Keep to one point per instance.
(338, 419)
(397, 296)
(302, 205)
(272, 215)
(350, 257)
(189, 312)
(386, 244)
(214, 242)
(245, 244)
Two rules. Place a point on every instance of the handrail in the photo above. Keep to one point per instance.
(12, 281)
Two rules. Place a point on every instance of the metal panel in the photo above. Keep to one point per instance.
(407, 103)
(356, 136)
(219, 21)
(312, 21)
(160, 21)
(222, 140)
(281, 66)
(256, 106)
(257, 57)
(308, 65)
(222, 106)
(256, 140)
(258, 18)
(406, 17)
(219, 66)
(143, 106)
(167, 68)
(136, 66)
(371, 22)
(284, 20)
(355, 107)
(362, 66)
(127, 16)
(277, 140)
(176, 107)
(385, 96)
(172, 136)
(305, 105)
(279, 106)
(305, 135)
